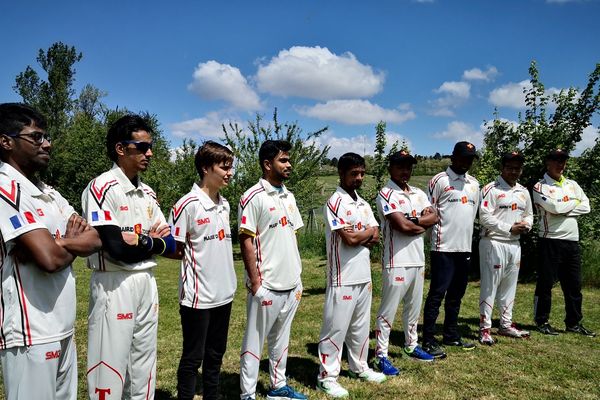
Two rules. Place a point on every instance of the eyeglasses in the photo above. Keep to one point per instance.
(37, 137)
(142, 147)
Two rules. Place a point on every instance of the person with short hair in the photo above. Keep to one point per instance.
(123, 311)
(350, 229)
(454, 194)
(207, 281)
(559, 202)
(505, 213)
(40, 236)
(406, 213)
(268, 219)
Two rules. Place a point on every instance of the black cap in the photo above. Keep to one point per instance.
(512, 156)
(557, 154)
(465, 149)
(402, 156)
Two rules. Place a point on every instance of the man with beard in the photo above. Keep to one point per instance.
(505, 213)
(350, 229)
(123, 311)
(405, 213)
(268, 219)
(454, 194)
(40, 236)
(559, 202)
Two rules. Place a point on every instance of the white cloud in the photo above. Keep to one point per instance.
(359, 144)
(317, 73)
(215, 81)
(588, 139)
(458, 131)
(356, 112)
(453, 95)
(512, 95)
(207, 127)
(476, 74)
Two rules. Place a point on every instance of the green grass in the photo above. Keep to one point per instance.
(563, 367)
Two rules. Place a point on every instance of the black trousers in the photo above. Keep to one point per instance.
(449, 275)
(559, 259)
(204, 343)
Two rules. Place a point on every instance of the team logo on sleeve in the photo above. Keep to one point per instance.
(99, 193)
(12, 194)
(464, 200)
(283, 221)
(221, 234)
(137, 228)
(101, 215)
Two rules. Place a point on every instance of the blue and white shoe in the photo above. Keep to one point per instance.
(385, 366)
(418, 354)
(285, 393)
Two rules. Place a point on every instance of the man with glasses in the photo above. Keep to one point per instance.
(123, 311)
(505, 212)
(40, 236)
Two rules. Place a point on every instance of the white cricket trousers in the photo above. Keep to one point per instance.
(122, 327)
(499, 264)
(269, 314)
(42, 372)
(346, 319)
(399, 284)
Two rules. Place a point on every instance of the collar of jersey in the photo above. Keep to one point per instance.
(551, 181)
(32, 189)
(392, 185)
(342, 192)
(454, 176)
(502, 183)
(124, 180)
(203, 198)
(270, 188)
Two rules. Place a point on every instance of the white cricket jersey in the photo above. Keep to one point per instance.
(207, 278)
(399, 249)
(559, 203)
(111, 199)
(36, 307)
(271, 215)
(456, 199)
(347, 265)
(501, 206)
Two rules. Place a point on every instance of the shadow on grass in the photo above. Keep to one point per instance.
(313, 291)
(496, 323)
(161, 394)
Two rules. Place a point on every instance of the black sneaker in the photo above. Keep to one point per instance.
(434, 349)
(547, 329)
(581, 330)
(466, 346)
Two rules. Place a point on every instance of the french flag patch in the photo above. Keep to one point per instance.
(334, 222)
(386, 208)
(101, 216)
(16, 221)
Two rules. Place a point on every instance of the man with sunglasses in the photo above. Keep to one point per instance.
(40, 236)
(123, 311)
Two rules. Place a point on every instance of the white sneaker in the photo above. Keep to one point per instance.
(332, 388)
(485, 337)
(513, 331)
(368, 375)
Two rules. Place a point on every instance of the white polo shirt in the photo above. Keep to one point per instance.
(399, 249)
(207, 278)
(37, 307)
(272, 217)
(501, 206)
(111, 199)
(456, 199)
(347, 265)
(559, 203)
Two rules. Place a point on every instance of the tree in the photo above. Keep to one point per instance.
(305, 157)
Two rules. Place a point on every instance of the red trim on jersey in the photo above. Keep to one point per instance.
(438, 239)
(251, 353)
(244, 202)
(196, 278)
(276, 364)
(24, 314)
(386, 196)
(435, 180)
(100, 193)
(545, 221)
(12, 197)
(176, 211)
(2, 336)
(258, 256)
(109, 367)
(334, 207)
(391, 235)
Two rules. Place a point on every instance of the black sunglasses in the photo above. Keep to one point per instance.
(142, 147)
(37, 137)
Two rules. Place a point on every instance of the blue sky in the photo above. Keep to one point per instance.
(434, 70)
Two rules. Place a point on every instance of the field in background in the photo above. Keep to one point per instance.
(563, 367)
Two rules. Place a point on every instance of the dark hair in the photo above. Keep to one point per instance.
(15, 116)
(348, 161)
(211, 153)
(270, 148)
(122, 129)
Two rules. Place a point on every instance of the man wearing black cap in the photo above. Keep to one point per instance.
(505, 212)
(559, 201)
(405, 213)
(454, 194)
